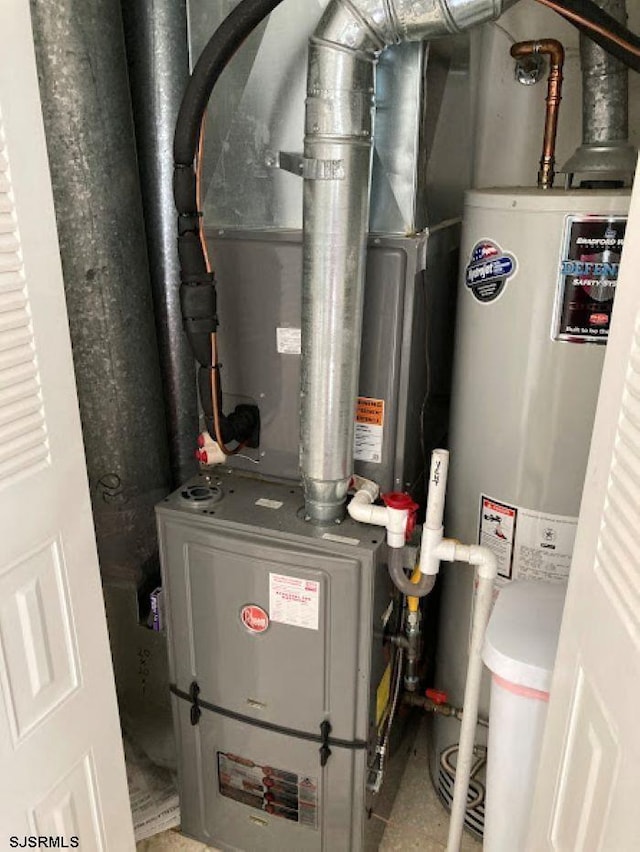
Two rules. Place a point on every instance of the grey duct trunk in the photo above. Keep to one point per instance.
(87, 113)
(158, 56)
(605, 148)
(338, 145)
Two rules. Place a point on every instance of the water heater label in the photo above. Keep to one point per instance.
(528, 545)
(369, 431)
(489, 270)
(589, 265)
(294, 601)
(278, 792)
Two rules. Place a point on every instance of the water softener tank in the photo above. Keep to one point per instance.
(538, 276)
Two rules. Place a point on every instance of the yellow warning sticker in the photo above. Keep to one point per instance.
(370, 411)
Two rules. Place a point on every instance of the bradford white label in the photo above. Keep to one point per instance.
(588, 277)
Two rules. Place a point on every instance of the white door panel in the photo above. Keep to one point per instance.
(60, 745)
(588, 781)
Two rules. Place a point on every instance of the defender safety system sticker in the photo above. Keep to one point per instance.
(589, 265)
(488, 271)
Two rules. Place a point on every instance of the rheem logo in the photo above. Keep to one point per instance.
(254, 618)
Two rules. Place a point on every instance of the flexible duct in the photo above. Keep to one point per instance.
(338, 145)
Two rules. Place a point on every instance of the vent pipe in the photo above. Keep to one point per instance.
(337, 169)
(605, 149)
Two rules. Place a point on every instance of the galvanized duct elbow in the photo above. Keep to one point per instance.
(337, 168)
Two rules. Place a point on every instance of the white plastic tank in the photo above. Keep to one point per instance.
(538, 275)
(520, 651)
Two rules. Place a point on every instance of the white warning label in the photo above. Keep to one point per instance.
(294, 601)
(544, 546)
(528, 545)
(369, 431)
(289, 341)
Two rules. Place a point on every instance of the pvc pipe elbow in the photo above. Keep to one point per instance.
(362, 510)
(484, 560)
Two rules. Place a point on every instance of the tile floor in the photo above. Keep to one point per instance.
(417, 822)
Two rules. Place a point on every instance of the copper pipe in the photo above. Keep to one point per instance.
(555, 51)
(579, 21)
(217, 431)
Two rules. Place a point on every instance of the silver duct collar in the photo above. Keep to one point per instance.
(605, 151)
(338, 146)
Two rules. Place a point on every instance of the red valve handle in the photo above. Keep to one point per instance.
(402, 500)
(437, 696)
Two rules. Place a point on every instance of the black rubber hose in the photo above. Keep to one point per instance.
(235, 28)
(590, 11)
(197, 295)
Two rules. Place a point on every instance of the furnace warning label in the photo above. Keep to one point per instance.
(369, 432)
(275, 791)
(589, 266)
(294, 601)
(528, 545)
(288, 341)
(497, 532)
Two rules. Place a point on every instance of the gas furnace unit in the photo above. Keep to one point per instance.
(282, 675)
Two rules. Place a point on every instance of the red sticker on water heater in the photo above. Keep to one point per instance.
(254, 618)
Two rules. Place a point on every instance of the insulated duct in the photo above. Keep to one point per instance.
(605, 145)
(87, 115)
(158, 57)
(337, 171)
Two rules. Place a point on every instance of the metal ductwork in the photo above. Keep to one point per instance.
(158, 58)
(337, 171)
(605, 149)
(90, 139)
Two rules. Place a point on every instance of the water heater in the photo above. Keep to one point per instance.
(538, 276)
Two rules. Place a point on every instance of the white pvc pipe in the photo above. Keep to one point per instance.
(487, 570)
(433, 530)
(362, 510)
(437, 489)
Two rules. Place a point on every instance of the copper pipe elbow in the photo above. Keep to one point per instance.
(555, 51)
